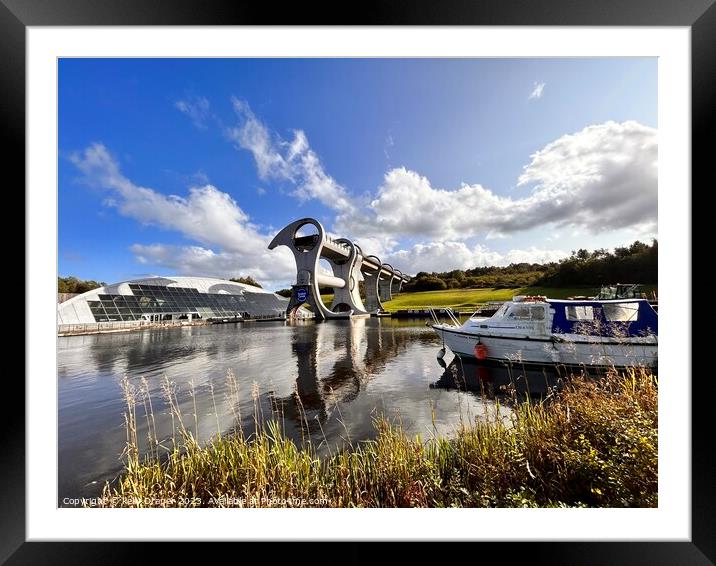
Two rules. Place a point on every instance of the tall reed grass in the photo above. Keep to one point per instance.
(590, 443)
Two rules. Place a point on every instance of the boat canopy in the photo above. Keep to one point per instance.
(627, 317)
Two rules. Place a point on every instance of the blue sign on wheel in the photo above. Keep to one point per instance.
(302, 295)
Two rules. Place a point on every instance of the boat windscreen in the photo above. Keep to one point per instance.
(501, 311)
(525, 312)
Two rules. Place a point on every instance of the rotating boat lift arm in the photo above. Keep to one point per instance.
(349, 266)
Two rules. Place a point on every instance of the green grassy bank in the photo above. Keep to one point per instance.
(466, 299)
(470, 298)
(592, 443)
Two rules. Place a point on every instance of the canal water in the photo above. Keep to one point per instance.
(324, 381)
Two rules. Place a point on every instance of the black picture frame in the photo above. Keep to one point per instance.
(699, 15)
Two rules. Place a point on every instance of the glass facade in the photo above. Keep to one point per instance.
(158, 302)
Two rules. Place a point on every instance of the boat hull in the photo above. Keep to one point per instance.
(572, 350)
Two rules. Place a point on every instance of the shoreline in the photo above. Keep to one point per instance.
(592, 443)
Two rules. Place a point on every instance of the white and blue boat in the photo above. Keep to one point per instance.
(534, 329)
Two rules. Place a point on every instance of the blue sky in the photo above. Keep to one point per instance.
(190, 166)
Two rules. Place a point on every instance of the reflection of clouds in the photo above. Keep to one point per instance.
(335, 362)
(91, 433)
(406, 396)
(346, 372)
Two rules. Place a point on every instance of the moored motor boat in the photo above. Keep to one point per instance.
(534, 329)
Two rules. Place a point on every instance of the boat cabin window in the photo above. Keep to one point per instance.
(525, 312)
(622, 312)
(500, 313)
(537, 313)
(579, 313)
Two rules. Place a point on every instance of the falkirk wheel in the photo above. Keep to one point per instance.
(349, 266)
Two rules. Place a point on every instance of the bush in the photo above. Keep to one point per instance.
(248, 280)
(73, 285)
(426, 283)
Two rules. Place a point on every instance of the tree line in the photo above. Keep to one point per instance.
(636, 263)
(74, 285)
(248, 280)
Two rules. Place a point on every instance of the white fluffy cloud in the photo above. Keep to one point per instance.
(601, 178)
(207, 215)
(407, 205)
(294, 162)
(273, 269)
(449, 255)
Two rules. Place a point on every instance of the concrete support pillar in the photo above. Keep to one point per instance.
(384, 283)
(370, 280)
(397, 282)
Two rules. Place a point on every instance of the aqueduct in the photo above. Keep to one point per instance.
(349, 266)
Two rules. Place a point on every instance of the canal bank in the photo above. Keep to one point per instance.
(344, 372)
(129, 326)
(566, 451)
(325, 382)
(114, 327)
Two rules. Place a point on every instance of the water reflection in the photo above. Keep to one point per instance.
(334, 360)
(499, 379)
(327, 381)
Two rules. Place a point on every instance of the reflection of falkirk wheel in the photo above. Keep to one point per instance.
(349, 266)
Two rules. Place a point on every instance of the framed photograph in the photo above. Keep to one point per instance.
(203, 181)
